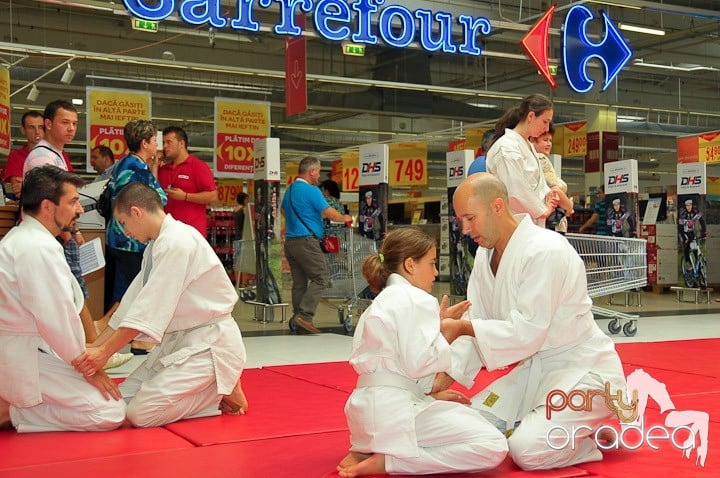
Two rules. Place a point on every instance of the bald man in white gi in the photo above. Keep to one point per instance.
(181, 299)
(530, 306)
(40, 328)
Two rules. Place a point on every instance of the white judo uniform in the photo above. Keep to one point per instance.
(40, 334)
(514, 161)
(536, 310)
(397, 350)
(182, 299)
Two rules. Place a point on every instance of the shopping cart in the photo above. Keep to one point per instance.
(348, 290)
(612, 264)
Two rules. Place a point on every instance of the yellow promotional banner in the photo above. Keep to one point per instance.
(108, 111)
(350, 171)
(574, 139)
(4, 111)
(408, 164)
(238, 123)
(291, 172)
(228, 189)
(713, 186)
(709, 147)
(473, 139)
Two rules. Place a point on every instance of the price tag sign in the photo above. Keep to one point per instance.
(228, 189)
(408, 164)
(575, 139)
(709, 147)
(110, 136)
(350, 171)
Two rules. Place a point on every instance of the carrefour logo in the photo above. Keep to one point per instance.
(578, 49)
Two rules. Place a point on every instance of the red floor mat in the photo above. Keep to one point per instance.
(307, 456)
(701, 357)
(279, 405)
(24, 449)
(338, 375)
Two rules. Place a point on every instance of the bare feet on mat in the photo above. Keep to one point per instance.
(352, 458)
(5, 423)
(236, 403)
(373, 465)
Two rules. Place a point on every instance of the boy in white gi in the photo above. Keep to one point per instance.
(396, 425)
(182, 298)
(530, 305)
(40, 327)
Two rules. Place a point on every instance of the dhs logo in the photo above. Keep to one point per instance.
(456, 172)
(691, 181)
(619, 179)
(371, 167)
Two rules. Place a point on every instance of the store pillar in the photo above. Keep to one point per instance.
(602, 143)
(373, 191)
(454, 245)
(267, 208)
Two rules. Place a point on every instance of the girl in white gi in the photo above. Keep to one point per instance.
(396, 426)
(513, 159)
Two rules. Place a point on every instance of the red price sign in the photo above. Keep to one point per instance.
(291, 172)
(709, 147)
(228, 191)
(576, 146)
(408, 172)
(407, 164)
(350, 178)
(110, 136)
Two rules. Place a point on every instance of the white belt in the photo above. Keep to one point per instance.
(387, 379)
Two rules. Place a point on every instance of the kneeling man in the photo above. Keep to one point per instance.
(40, 328)
(182, 299)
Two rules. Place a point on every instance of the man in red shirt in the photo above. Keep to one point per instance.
(187, 180)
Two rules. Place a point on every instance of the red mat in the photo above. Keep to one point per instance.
(337, 375)
(279, 406)
(306, 456)
(23, 449)
(701, 357)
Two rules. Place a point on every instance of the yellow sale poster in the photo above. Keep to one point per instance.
(350, 171)
(4, 111)
(108, 111)
(709, 147)
(238, 124)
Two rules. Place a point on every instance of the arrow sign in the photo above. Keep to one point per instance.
(295, 70)
(535, 44)
(612, 51)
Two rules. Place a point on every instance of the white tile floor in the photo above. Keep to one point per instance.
(661, 318)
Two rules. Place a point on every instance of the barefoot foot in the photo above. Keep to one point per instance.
(5, 423)
(352, 458)
(236, 403)
(374, 465)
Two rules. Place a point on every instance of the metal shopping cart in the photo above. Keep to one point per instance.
(347, 291)
(612, 264)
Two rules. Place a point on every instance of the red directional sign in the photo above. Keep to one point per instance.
(535, 44)
(295, 72)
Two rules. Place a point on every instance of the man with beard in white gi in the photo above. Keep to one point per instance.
(182, 299)
(40, 328)
(530, 305)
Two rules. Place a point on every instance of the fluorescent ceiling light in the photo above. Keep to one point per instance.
(639, 29)
(77, 101)
(629, 118)
(615, 4)
(481, 105)
(678, 67)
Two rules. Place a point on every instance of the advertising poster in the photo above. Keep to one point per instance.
(238, 124)
(4, 111)
(108, 111)
(460, 248)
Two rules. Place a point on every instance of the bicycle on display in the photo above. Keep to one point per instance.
(694, 265)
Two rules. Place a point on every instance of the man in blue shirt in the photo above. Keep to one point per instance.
(598, 217)
(304, 208)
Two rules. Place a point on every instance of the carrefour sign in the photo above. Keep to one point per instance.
(369, 22)
(335, 20)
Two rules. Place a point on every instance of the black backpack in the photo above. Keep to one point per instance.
(104, 202)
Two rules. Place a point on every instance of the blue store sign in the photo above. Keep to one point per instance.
(365, 22)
